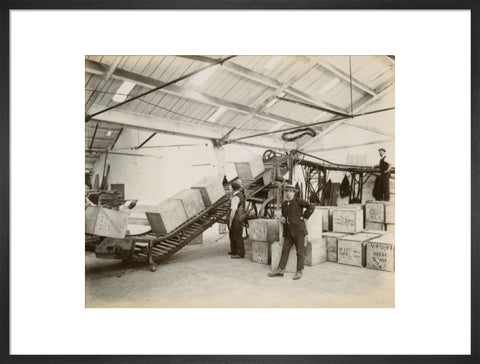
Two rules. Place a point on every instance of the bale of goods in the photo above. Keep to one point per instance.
(316, 252)
(250, 169)
(377, 226)
(291, 266)
(347, 220)
(352, 249)
(326, 217)
(381, 253)
(263, 229)
(106, 222)
(192, 201)
(167, 216)
(261, 251)
(375, 212)
(211, 189)
(314, 225)
(331, 240)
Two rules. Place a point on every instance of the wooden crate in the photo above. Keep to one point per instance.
(314, 225)
(376, 226)
(352, 249)
(263, 229)
(331, 239)
(106, 222)
(372, 231)
(134, 229)
(211, 189)
(261, 252)
(192, 201)
(316, 252)
(381, 253)
(375, 212)
(326, 217)
(137, 218)
(291, 266)
(250, 169)
(390, 213)
(167, 216)
(230, 171)
(347, 220)
(247, 245)
(267, 176)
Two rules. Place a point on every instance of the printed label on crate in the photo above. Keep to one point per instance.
(332, 250)
(375, 212)
(380, 256)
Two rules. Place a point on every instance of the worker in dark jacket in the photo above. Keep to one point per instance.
(294, 230)
(385, 168)
(235, 226)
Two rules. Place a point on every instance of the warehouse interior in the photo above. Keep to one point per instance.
(165, 136)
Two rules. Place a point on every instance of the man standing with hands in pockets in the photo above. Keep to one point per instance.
(294, 230)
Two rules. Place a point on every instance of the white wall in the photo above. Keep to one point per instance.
(154, 174)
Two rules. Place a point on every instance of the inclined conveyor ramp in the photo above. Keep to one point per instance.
(151, 248)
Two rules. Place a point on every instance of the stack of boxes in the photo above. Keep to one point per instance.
(381, 253)
(316, 248)
(346, 240)
(171, 213)
(347, 220)
(263, 232)
(331, 239)
(352, 248)
(380, 216)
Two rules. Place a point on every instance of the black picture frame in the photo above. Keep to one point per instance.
(6, 6)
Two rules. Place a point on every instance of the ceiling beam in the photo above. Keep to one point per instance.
(353, 145)
(120, 74)
(323, 62)
(275, 92)
(374, 130)
(337, 123)
(157, 124)
(199, 58)
(100, 139)
(272, 83)
(173, 127)
(315, 101)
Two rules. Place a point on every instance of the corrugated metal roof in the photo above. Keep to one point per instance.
(243, 91)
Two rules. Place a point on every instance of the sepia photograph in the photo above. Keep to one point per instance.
(240, 181)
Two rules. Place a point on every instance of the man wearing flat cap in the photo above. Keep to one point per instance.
(295, 212)
(385, 168)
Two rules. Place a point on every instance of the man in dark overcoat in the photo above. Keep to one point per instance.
(295, 213)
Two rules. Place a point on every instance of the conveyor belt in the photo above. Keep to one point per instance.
(151, 248)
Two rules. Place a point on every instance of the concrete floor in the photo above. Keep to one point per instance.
(204, 276)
